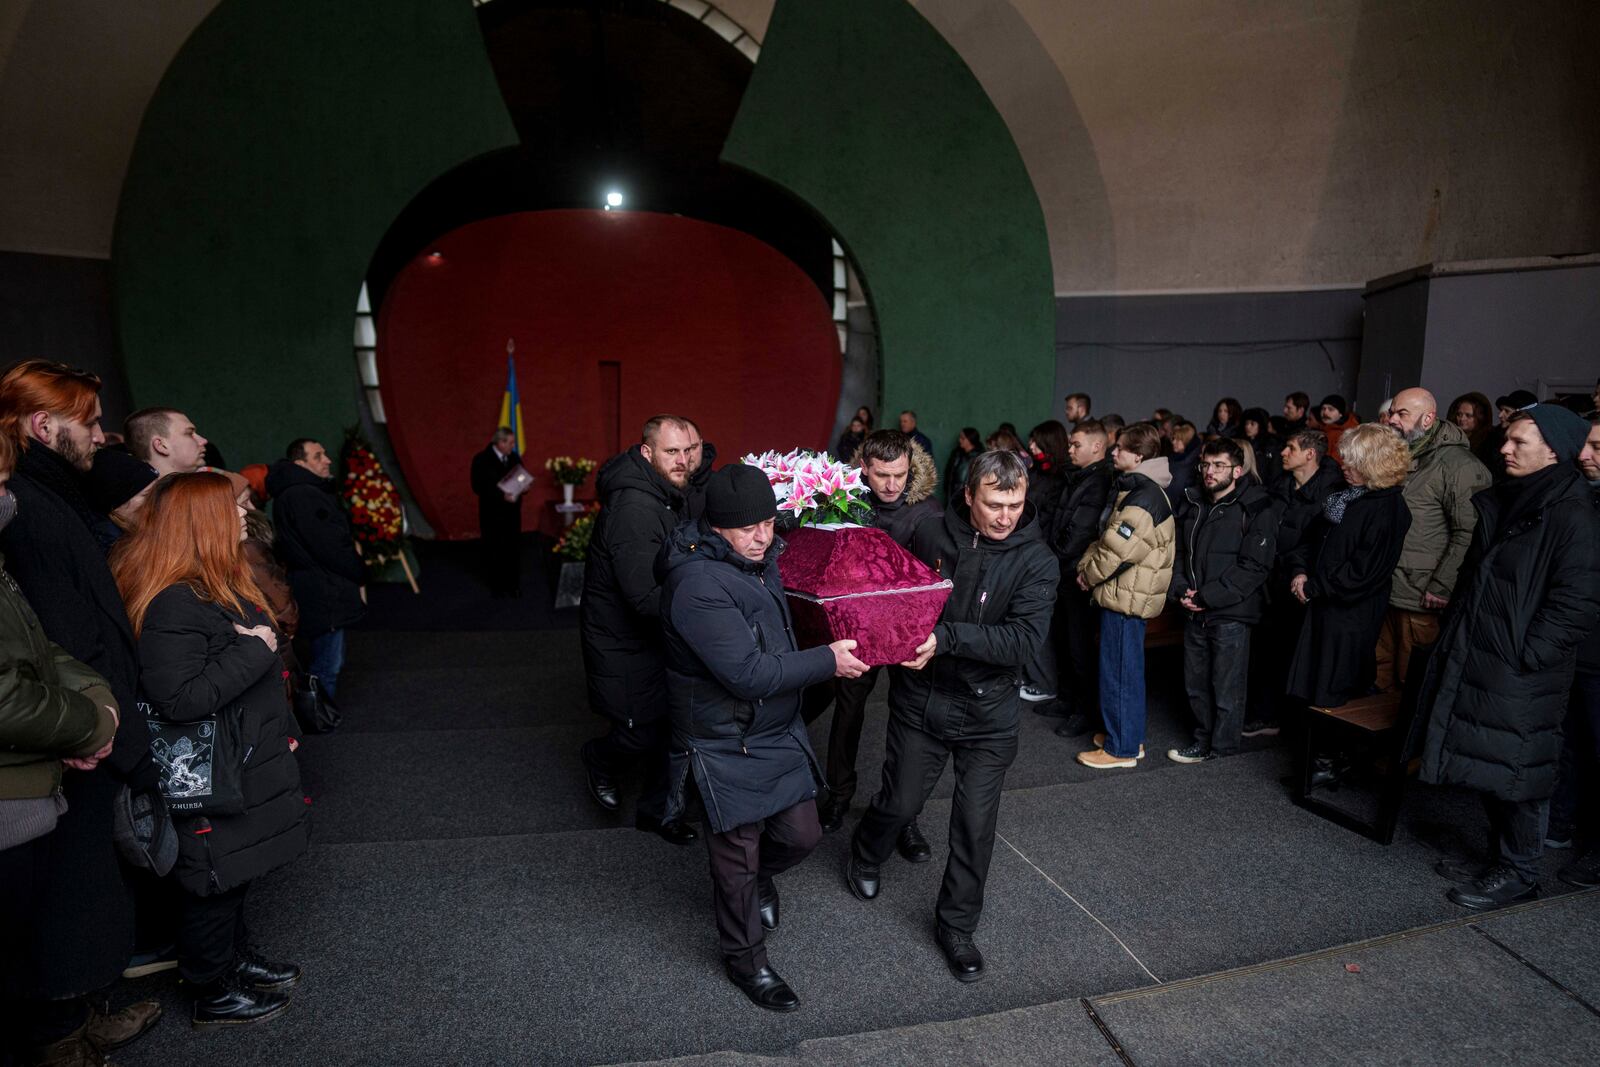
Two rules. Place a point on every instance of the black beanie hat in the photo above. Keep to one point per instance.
(739, 495)
(1334, 400)
(116, 478)
(1565, 432)
(1520, 398)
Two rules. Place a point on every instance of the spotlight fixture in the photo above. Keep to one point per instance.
(613, 199)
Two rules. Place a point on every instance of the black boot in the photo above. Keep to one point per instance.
(912, 845)
(602, 787)
(960, 954)
(227, 1002)
(673, 833)
(1501, 886)
(766, 990)
(255, 971)
(832, 812)
(767, 904)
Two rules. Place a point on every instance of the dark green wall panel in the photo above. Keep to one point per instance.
(282, 141)
(860, 108)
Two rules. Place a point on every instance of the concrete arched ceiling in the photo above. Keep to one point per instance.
(1213, 145)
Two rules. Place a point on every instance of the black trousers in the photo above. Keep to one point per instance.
(1516, 833)
(1076, 631)
(1576, 805)
(1271, 649)
(742, 860)
(1216, 667)
(211, 932)
(644, 743)
(913, 762)
(28, 1021)
(844, 736)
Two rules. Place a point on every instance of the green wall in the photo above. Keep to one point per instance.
(282, 142)
(861, 109)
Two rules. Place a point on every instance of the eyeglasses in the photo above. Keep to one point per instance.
(1218, 466)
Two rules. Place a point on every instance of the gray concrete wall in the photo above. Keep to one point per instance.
(59, 307)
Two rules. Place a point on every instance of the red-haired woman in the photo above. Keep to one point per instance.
(207, 648)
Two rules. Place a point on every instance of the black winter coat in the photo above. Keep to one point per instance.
(1269, 456)
(496, 514)
(735, 680)
(1045, 488)
(316, 546)
(1183, 466)
(992, 627)
(195, 665)
(1499, 678)
(1225, 552)
(1589, 651)
(1348, 583)
(61, 568)
(1084, 495)
(619, 618)
(1298, 508)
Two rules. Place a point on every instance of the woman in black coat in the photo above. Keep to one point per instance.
(208, 650)
(1355, 544)
(969, 444)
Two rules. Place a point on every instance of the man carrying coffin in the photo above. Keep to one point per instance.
(734, 679)
(959, 697)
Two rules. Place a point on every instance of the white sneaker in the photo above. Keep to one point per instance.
(1036, 696)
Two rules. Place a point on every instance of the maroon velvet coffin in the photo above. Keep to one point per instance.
(857, 582)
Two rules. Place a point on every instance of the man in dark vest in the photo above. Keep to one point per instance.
(644, 493)
(958, 697)
(900, 478)
(499, 513)
(1497, 684)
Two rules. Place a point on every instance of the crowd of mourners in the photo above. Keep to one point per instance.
(1305, 560)
(149, 685)
(165, 643)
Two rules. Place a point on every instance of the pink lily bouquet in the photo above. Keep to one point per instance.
(813, 488)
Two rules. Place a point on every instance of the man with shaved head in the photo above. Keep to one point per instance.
(1444, 476)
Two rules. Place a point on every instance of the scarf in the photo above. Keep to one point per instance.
(1334, 506)
(45, 466)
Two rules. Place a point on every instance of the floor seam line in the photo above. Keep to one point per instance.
(1062, 890)
(1535, 968)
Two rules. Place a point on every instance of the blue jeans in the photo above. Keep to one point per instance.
(327, 660)
(1122, 682)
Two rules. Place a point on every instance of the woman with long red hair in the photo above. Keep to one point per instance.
(208, 649)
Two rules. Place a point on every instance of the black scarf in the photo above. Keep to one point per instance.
(47, 467)
(1520, 497)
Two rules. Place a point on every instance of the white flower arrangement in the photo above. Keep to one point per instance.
(813, 487)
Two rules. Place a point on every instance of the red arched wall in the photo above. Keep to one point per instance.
(705, 321)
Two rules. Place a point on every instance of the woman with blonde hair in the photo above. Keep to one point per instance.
(1344, 577)
(208, 650)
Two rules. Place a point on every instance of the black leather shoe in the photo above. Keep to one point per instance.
(602, 787)
(913, 846)
(1074, 725)
(960, 954)
(1463, 871)
(766, 990)
(862, 878)
(767, 905)
(673, 833)
(1498, 888)
(831, 814)
(257, 972)
(225, 1002)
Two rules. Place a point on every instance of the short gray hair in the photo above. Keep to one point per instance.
(1002, 465)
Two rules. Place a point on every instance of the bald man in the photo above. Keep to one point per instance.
(1444, 475)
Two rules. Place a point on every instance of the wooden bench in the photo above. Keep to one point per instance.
(1372, 719)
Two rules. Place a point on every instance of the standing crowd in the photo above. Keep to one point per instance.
(1308, 559)
(148, 690)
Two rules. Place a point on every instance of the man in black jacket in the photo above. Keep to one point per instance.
(499, 513)
(736, 676)
(320, 554)
(900, 479)
(644, 493)
(1578, 796)
(84, 936)
(1309, 475)
(1227, 537)
(965, 703)
(1498, 681)
(1077, 526)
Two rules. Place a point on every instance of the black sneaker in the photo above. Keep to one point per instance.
(1583, 872)
(1193, 752)
(1259, 728)
(1499, 887)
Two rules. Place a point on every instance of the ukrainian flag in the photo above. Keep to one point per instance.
(511, 405)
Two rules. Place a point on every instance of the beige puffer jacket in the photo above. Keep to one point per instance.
(1130, 567)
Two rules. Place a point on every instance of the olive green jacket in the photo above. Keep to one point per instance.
(1438, 492)
(51, 706)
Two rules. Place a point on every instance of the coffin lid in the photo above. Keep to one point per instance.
(856, 559)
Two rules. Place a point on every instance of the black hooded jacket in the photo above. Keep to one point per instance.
(992, 626)
(1084, 496)
(317, 548)
(736, 675)
(619, 618)
(1298, 507)
(1497, 684)
(1225, 552)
